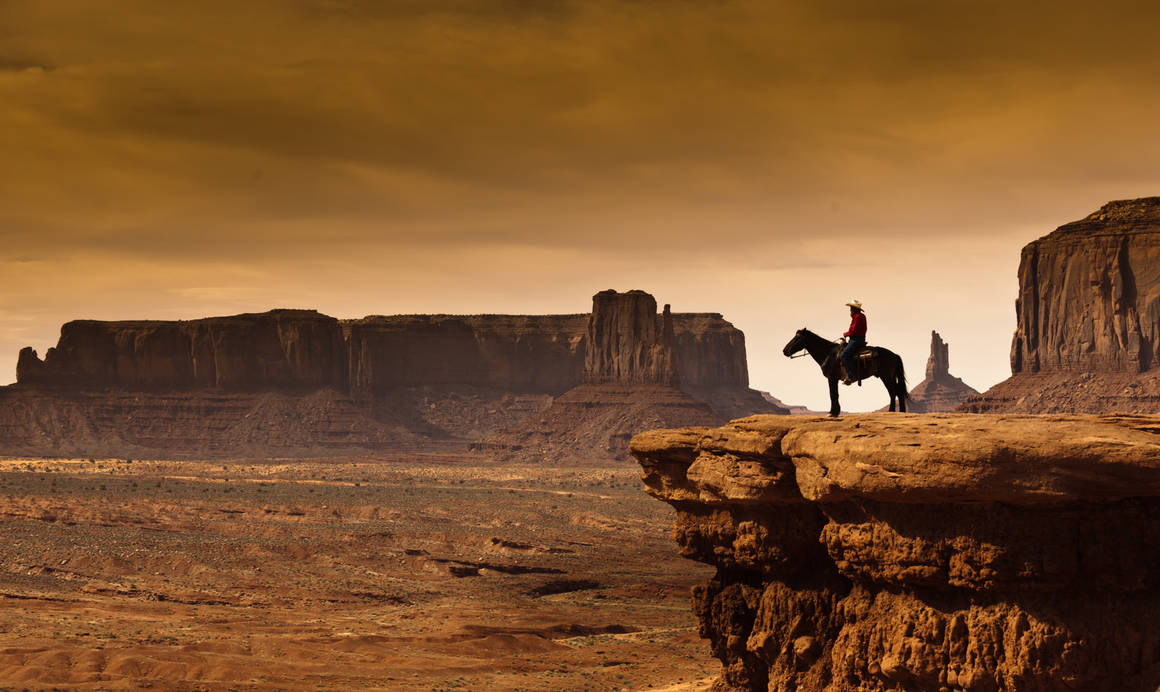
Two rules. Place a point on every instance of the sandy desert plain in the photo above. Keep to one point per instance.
(426, 571)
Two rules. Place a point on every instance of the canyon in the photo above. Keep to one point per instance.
(900, 552)
(297, 382)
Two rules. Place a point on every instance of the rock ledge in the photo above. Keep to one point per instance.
(921, 552)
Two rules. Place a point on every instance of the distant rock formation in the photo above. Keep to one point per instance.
(938, 552)
(940, 392)
(442, 378)
(296, 350)
(1089, 293)
(631, 384)
(518, 353)
(276, 350)
(1088, 313)
(628, 343)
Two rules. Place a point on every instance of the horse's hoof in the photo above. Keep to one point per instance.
(834, 415)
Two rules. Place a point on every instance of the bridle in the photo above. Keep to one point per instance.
(805, 351)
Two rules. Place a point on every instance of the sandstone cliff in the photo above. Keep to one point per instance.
(521, 353)
(1089, 293)
(920, 552)
(632, 371)
(628, 343)
(301, 349)
(440, 377)
(940, 391)
(276, 350)
(1088, 317)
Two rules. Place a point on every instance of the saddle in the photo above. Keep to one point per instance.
(862, 360)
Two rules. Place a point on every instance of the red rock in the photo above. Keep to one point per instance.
(632, 372)
(537, 353)
(920, 551)
(1088, 304)
(439, 376)
(277, 350)
(940, 391)
(1089, 293)
(628, 343)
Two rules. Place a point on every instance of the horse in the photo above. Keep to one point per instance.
(881, 362)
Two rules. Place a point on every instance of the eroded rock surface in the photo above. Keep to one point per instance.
(1089, 293)
(628, 343)
(1088, 304)
(631, 374)
(921, 552)
(276, 350)
(940, 391)
(442, 378)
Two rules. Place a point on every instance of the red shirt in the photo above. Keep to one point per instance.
(857, 325)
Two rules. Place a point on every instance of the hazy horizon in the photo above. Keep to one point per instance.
(768, 161)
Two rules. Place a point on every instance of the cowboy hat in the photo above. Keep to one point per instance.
(855, 304)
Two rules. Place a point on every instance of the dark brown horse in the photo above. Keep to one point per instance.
(880, 362)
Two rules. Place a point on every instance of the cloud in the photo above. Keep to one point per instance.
(656, 137)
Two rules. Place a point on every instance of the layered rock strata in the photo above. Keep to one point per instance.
(921, 552)
(631, 374)
(940, 391)
(1089, 293)
(628, 343)
(437, 376)
(522, 353)
(1088, 303)
(280, 349)
(303, 349)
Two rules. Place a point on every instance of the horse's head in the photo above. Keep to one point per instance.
(797, 343)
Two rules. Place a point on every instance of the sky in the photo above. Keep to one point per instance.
(766, 160)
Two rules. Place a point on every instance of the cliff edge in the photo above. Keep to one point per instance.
(920, 552)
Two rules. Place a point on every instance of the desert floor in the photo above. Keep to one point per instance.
(418, 572)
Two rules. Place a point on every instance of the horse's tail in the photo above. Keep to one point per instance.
(903, 388)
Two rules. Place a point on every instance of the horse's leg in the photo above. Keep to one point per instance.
(888, 381)
(900, 383)
(835, 409)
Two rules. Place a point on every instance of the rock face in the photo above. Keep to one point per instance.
(631, 373)
(941, 391)
(519, 353)
(1089, 302)
(921, 552)
(628, 343)
(1089, 293)
(277, 350)
(438, 377)
(304, 350)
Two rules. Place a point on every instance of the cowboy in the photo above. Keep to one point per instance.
(855, 339)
